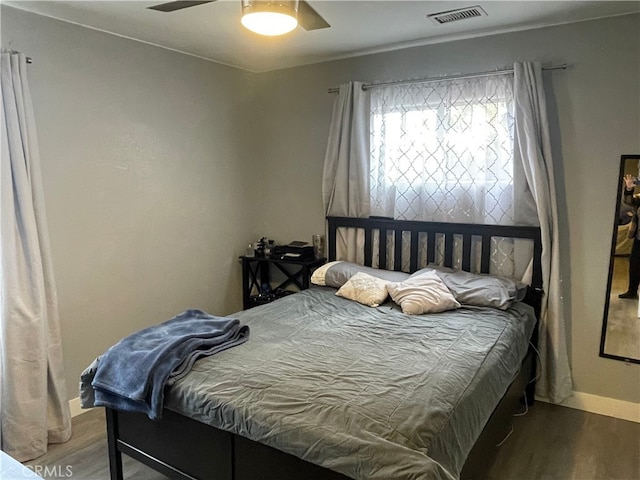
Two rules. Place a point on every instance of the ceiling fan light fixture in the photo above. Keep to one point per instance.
(269, 18)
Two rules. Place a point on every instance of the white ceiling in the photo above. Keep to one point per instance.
(213, 31)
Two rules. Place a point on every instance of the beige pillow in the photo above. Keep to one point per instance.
(365, 289)
(424, 293)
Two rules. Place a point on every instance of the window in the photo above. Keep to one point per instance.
(443, 151)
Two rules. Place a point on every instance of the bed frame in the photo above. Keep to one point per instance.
(183, 448)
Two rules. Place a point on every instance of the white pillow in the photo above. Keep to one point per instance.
(365, 289)
(424, 293)
(318, 275)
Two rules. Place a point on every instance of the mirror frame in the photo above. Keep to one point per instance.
(614, 231)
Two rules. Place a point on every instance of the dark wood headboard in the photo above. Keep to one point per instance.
(417, 229)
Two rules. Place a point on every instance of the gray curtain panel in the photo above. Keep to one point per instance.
(533, 151)
(33, 399)
(345, 179)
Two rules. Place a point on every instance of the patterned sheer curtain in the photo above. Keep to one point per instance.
(443, 151)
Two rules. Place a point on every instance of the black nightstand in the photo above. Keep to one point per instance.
(256, 271)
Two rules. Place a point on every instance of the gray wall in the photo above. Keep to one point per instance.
(144, 178)
(594, 115)
(151, 192)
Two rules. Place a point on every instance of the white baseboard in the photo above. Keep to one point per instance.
(610, 407)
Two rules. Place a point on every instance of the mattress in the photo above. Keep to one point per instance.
(371, 393)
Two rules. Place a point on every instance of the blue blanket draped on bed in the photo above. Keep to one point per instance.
(132, 374)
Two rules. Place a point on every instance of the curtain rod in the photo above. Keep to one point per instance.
(368, 86)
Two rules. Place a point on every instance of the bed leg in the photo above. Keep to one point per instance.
(530, 393)
(530, 389)
(115, 457)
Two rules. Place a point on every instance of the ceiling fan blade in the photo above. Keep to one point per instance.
(173, 6)
(308, 18)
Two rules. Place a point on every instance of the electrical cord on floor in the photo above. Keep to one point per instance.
(505, 438)
(526, 410)
(526, 407)
(526, 403)
(539, 363)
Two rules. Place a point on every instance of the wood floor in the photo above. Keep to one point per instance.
(548, 443)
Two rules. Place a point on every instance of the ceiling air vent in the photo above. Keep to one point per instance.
(458, 14)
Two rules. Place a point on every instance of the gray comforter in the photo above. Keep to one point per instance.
(368, 392)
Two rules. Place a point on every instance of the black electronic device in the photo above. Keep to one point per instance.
(294, 250)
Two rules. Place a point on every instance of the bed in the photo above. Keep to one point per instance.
(328, 388)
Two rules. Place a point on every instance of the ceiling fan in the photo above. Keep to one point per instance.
(307, 17)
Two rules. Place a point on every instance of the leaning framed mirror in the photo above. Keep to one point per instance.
(620, 338)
